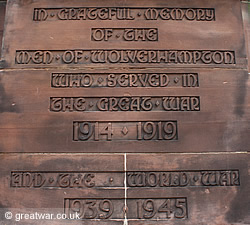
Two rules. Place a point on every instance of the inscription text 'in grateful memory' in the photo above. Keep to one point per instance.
(129, 13)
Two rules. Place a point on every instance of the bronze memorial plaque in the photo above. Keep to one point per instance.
(122, 112)
(85, 111)
(189, 188)
(62, 186)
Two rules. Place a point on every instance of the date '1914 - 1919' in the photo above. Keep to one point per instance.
(108, 131)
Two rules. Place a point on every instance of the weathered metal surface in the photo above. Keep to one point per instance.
(197, 111)
(171, 188)
(61, 184)
(135, 34)
(2, 17)
(164, 78)
(245, 5)
(203, 188)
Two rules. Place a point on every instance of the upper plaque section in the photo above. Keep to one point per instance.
(129, 34)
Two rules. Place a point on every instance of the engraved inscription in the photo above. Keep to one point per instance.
(201, 178)
(88, 209)
(110, 209)
(138, 56)
(124, 34)
(126, 13)
(43, 179)
(160, 209)
(116, 104)
(108, 131)
(86, 80)
(184, 178)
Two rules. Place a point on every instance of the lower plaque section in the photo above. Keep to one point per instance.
(125, 189)
(38, 188)
(200, 189)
